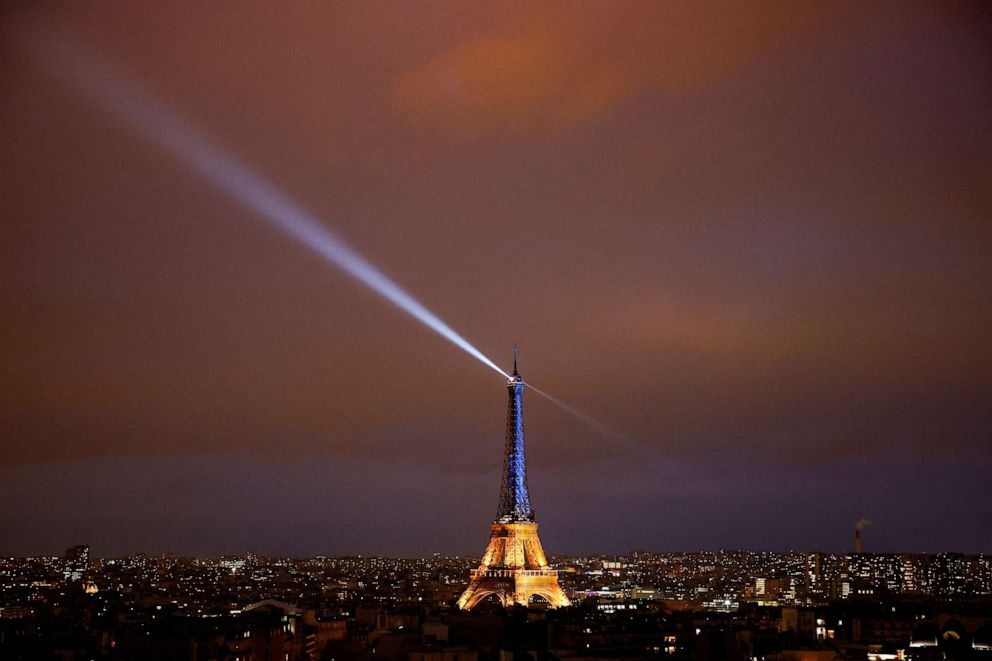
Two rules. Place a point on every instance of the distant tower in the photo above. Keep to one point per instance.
(858, 527)
(514, 567)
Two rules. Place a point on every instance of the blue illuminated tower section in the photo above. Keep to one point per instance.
(514, 500)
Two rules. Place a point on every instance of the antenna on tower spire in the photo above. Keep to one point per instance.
(515, 360)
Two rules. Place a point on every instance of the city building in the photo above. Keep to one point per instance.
(77, 561)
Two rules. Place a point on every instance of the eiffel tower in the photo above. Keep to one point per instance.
(514, 567)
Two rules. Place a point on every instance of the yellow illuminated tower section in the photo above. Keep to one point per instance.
(514, 567)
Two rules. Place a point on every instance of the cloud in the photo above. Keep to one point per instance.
(567, 65)
(510, 83)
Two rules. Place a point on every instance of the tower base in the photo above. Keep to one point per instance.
(514, 569)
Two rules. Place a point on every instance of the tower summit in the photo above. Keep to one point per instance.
(514, 567)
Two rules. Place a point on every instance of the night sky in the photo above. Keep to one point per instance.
(753, 237)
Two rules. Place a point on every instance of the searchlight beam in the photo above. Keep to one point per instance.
(103, 85)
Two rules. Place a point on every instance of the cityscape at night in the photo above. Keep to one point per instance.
(710, 605)
(626, 330)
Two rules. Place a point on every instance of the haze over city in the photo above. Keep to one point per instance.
(753, 238)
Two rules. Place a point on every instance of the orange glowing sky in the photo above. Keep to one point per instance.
(754, 236)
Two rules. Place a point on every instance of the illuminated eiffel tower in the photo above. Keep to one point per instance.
(514, 567)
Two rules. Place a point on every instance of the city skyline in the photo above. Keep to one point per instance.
(766, 606)
(753, 240)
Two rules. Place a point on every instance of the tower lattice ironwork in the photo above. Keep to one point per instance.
(514, 567)
(514, 498)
